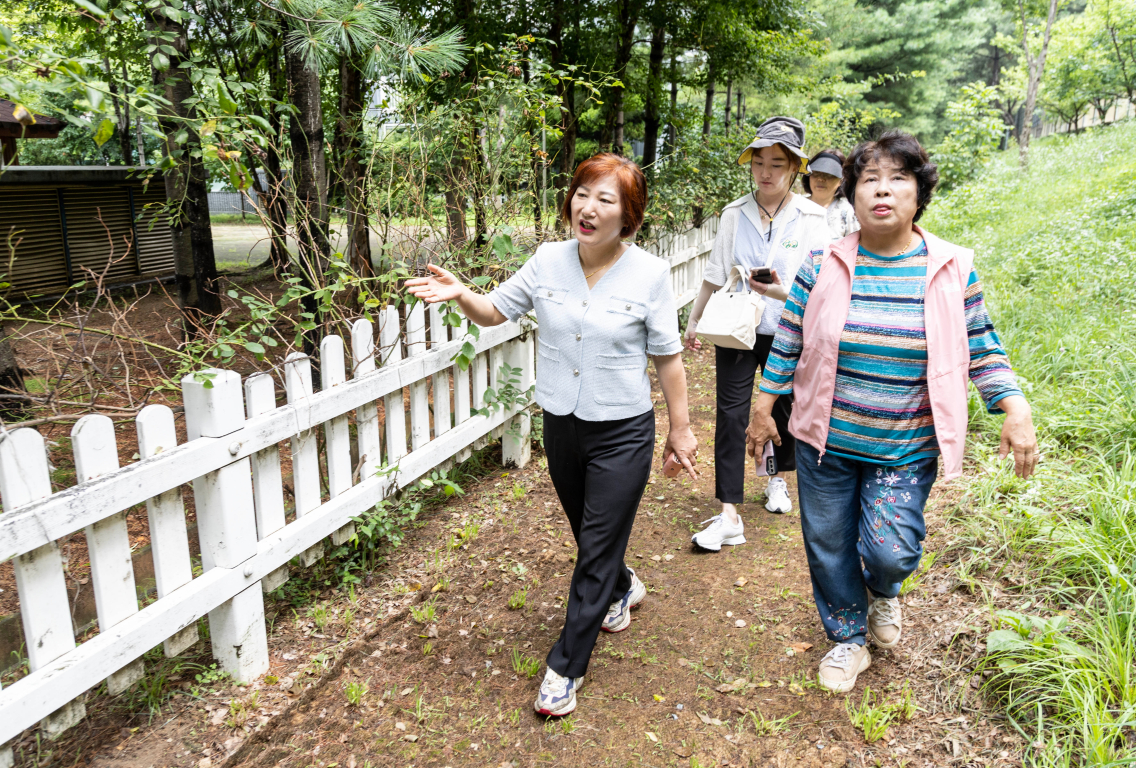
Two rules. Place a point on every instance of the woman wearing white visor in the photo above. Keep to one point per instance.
(823, 184)
(770, 229)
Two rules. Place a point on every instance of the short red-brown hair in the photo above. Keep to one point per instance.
(632, 187)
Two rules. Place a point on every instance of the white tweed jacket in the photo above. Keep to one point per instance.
(593, 343)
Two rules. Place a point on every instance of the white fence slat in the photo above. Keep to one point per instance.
(337, 435)
(108, 541)
(267, 481)
(461, 388)
(439, 335)
(479, 383)
(44, 607)
(7, 759)
(419, 389)
(390, 339)
(366, 415)
(169, 537)
(305, 451)
(226, 526)
(516, 443)
(496, 361)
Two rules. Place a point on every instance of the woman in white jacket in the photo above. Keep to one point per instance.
(771, 228)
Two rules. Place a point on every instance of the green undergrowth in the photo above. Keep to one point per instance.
(1055, 252)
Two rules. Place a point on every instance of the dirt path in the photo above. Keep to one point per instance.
(716, 669)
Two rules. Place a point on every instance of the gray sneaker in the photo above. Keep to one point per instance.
(557, 695)
(619, 614)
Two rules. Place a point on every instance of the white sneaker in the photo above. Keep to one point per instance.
(885, 620)
(557, 695)
(720, 531)
(777, 496)
(842, 665)
(619, 614)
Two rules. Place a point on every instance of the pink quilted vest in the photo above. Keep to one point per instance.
(948, 353)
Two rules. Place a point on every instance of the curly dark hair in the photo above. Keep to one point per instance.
(839, 156)
(904, 149)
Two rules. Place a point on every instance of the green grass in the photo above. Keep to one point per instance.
(1055, 251)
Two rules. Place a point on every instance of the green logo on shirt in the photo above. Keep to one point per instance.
(788, 243)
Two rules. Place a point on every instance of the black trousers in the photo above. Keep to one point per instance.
(599, 469)
(736, 370)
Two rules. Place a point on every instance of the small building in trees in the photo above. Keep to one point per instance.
(63, 225)
(25, 126)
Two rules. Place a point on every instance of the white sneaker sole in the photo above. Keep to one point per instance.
(779, 509)
(847, 685)
(637, 599)
(733, 541)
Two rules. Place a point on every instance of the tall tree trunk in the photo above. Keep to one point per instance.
(121, 117)
(350, 129)
(628, 16)
(741, 110)
(309, 183)
(139, 140)
(1035, 67)
(561, 54)
(708, 112)
(536, 161)
(275, 200)
(672, 129)
(654, 95)
(195, 266)
(729, 93)
(456, 234)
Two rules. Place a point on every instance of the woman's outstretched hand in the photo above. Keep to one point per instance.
(439, 286)
(1018, 436)
(684, 445)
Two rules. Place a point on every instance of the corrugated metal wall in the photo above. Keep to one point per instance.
(54, 237)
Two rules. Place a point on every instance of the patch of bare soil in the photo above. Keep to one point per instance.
(437, 662)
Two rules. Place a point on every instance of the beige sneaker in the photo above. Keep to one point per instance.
(840, 666)
(885, 620)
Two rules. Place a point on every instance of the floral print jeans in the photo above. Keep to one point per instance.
(863, 528)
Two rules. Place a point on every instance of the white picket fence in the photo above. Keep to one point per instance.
(232, 461)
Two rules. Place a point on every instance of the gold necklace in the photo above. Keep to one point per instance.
(607, 264)
(909, 243)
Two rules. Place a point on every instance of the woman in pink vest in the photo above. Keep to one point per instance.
(879, 337)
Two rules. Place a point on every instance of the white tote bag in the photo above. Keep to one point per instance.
(730, 318)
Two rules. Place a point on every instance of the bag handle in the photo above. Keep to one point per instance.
(736, 274)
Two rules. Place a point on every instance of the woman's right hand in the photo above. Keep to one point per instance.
(760, 431)
(440, 286)
(690, 339)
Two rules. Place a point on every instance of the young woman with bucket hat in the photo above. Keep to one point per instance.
(771, 229)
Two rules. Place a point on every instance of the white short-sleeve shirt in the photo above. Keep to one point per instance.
(593, 343)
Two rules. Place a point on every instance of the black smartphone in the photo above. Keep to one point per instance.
(761, 275)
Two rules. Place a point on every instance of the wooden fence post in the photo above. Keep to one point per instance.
(337, 436)
(44, 607)
(516, 443)
(108, 542)
(226, 523)
(479, 382)
(169, 538)
(390, 340)
(305, 452)
(366, 415)
(419, 390)
(267, 482)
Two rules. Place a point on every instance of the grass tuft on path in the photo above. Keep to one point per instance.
(1055, 252)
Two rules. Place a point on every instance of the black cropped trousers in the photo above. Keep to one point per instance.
(599, 469)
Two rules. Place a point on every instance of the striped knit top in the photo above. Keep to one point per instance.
(881, 409)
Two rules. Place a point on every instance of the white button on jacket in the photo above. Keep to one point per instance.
(593, 344)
